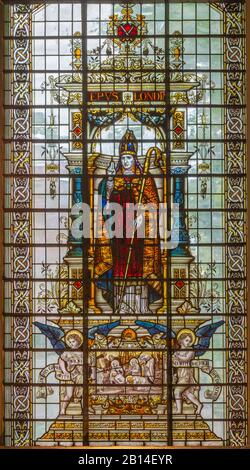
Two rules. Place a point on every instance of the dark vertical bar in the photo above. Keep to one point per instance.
(85, 241)
(2, 160)
(46, 174)
(247, 41)
(169, 191)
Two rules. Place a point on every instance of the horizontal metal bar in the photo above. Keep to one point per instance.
(111, 315)
(101, 36)
(89, 141)
(187, 176)
(137, 105)
(99, 385)
(196, 71)
(51, 349)
(161, 279)
(99, 2)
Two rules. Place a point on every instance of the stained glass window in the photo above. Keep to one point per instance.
(125, 268)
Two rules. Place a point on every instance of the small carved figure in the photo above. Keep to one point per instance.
(186, 387)
(69, 368)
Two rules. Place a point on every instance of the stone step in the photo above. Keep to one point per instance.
(187, 430)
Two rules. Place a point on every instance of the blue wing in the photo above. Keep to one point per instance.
(205, 333)
(102, 329)
(54, 334)
(155, 328)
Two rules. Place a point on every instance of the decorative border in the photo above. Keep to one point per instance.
(21, 252)
(235, 151)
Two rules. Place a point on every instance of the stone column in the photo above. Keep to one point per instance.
(91, 170)
(180, 255)
(75, 254)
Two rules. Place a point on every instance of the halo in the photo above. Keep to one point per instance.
(76, 333)
(187, 331)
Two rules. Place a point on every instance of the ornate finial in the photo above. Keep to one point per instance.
(127, 28)
(127, 12)
(77, 50)
(177, 49)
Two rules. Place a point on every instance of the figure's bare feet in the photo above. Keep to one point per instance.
(198, 409)
(177, 410)
(146, 311)
(124, 310)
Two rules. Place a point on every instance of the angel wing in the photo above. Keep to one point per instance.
(155, 328)
(205, 333)
(102, 329)
(54, 334)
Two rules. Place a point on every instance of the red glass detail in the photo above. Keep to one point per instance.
(179, 284)
(127, 30)
(77, 131)
(178, 130)
(77, 284)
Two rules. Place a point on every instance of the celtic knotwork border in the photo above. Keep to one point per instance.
(21, 260)
(234, 60)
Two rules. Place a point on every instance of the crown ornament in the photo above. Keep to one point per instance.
(127, 29)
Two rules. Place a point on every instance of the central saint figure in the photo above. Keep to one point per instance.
(128, 270)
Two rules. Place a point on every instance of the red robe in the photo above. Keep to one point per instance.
(120, 246)
(111, 255)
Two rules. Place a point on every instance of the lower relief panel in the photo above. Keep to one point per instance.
(128, 403)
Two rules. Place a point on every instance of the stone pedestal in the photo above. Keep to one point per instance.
(120, 431)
